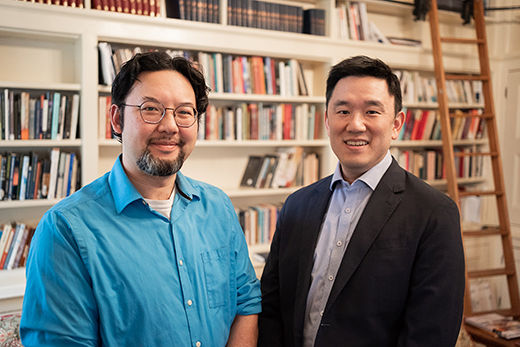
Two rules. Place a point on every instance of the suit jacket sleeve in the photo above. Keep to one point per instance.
(434, 309)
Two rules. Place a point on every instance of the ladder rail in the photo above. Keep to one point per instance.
(488, 115)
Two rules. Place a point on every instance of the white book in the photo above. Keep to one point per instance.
(363, 21)
(5, 235)
(102, 116)
(45, 116)
(55, 158)
(25, 174)
(219, 77)
(60, 176)
(238, 123)
(16, 243)
(376, 35)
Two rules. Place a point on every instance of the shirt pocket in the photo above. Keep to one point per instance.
(217, 265)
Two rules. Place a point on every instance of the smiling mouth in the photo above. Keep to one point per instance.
(356, 143)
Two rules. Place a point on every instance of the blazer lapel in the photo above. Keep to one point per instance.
(312, 220)
(380, 207)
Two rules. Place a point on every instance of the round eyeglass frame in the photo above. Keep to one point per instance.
(164, 112)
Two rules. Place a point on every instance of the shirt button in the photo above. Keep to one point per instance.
(180, 262)
(190, 302)
(144, 202)
(331, 278)
(321, 313)
(339, 243)
(347, 210)
(198, 344)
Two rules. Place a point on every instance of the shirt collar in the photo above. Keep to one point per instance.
(124, 192)
(370, 178)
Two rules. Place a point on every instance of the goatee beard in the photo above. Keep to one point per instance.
(160, 167)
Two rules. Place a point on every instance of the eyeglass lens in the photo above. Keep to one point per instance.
(152, 112)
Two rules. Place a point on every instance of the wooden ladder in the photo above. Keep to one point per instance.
(503, 230)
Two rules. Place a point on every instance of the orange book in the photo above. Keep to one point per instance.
(108, 128)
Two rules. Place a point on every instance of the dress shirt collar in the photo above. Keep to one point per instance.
(124, 192)
(371, 178)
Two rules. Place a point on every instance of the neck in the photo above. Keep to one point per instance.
(152, 187)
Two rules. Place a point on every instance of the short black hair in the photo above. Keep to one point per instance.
(363, 66)
(157, 61)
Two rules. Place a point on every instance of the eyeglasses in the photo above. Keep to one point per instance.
(153, 112)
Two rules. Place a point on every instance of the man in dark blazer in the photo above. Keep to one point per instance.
(371, 256)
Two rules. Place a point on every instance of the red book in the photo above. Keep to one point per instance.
(119, 5)
(153, 8)
(287, 121)
(5, 251)
(139, 7)
(146, 8)
(253, 111)
(96, 4)
(422, 125)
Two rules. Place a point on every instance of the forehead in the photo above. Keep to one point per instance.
(164, 83)
(356, 89)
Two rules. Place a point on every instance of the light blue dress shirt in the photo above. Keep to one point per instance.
(345, 208)
(106, 270)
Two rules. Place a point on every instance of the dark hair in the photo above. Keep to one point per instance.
(363, 66)
(157, 61)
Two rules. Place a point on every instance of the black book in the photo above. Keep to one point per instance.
(3, 169)
(252, 171)
(173, 8)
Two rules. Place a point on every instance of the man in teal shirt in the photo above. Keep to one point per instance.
(144, 256)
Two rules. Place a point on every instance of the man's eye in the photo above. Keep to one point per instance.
(343, 112)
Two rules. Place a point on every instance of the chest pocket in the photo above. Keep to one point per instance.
(217, 268)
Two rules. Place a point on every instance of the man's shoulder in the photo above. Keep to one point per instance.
(81, 198)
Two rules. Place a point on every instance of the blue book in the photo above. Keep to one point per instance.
(55, 115)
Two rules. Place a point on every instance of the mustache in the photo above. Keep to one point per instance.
(179, 142)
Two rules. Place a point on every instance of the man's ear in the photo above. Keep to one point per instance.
(398, 124)
(115, 118)
(326, 116)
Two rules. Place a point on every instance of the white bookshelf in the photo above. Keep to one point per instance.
(55, 48)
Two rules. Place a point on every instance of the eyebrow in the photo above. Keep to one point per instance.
(151, 98)
(367, 103)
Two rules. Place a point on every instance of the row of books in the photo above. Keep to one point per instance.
(285, 168)
(256, 121)
(15, 240)
(253, 75)
(426, 125)
(351, 23)
(429, 165)
(33, 115)
(258, 222)
(276, 16)
(138, 7)
(35, 176)
(195, 10)
(419, 89)
(224, 73)
(66, 3)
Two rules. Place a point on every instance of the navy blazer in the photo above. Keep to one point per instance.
(401, 280)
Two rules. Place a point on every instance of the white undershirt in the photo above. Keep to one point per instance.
(164, 207)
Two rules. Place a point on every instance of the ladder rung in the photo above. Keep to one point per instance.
(475, 154)
(474, 115)
(479, 193)
(504, 312)
(490, 273)
(484, 232)
(459, 40)
(467, 77)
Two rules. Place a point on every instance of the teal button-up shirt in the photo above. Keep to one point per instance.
(106, 270)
